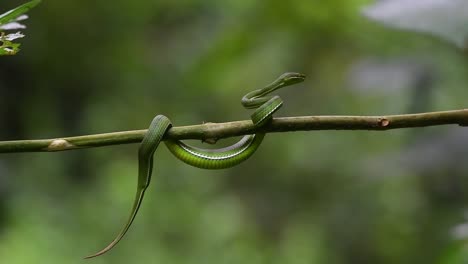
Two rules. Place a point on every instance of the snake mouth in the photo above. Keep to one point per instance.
(295, 78)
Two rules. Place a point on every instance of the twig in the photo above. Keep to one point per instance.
(214, 131)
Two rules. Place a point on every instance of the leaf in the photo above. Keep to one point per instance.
(9, 21)
(446, 19)
(9, 48)
(17, 12)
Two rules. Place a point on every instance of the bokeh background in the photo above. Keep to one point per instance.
(305, 197)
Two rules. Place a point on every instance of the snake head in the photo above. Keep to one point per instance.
(290, 78)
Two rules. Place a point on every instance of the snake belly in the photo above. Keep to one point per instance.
(216, 158)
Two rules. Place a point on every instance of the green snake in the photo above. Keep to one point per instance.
(205, 158)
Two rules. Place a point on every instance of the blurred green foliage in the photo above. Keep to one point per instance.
(310, 197)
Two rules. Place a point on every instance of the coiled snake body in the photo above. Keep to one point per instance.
(205, 158)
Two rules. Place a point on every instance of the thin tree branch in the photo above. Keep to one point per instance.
(214, 131)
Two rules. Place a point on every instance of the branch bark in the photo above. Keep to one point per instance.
(215, 131)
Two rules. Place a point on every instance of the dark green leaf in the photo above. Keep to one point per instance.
(14, 13)
(9, 48)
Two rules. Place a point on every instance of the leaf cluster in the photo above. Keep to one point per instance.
(11, 20)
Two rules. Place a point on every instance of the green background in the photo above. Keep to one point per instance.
(305, 197)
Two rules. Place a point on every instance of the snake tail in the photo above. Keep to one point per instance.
(150, 143)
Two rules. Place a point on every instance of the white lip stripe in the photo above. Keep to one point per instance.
(200, 155)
